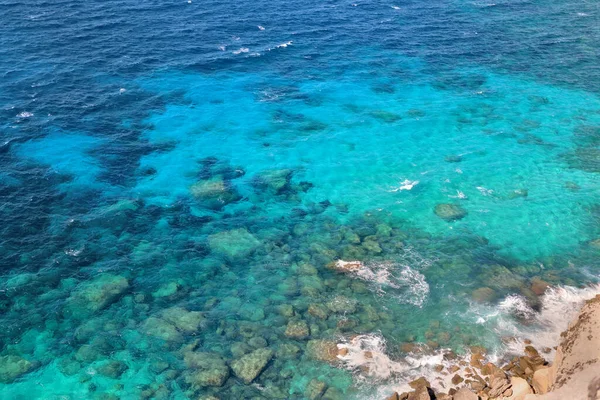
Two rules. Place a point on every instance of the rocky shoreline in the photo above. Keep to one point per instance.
(573, 374)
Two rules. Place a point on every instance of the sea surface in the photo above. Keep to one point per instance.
(178, 179)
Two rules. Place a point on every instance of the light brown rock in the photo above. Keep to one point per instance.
(520, 388)
(465, 394)
(541, 381)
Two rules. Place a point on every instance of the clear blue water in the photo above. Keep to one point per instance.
(215, 157)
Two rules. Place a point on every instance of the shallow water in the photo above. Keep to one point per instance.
(177, 179)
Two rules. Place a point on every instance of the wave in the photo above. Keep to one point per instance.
(367, 357)
(399, 280)
(406, 185)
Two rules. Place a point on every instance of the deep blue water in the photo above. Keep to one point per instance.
(178, 177)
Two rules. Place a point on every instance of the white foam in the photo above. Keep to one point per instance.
(367, 357)
(284, 45)
(395, 7)
(484, 191)
(406, 185)
(241, 50)
(261, 28)
(459, 195)
(391, 279)
(25, 114)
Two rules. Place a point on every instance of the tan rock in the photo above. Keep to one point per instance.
(420, 382)
(456, 379)
(465, 394)
(488, 369)
(541, 381)
(520, 388)
(421, 393)
(577, 359)
(346, 266)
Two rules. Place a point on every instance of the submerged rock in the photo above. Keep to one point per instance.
(322, 350)
(484, 295)
(453, 158)
(297, 330)
(315, 389)
(275, 181)
(207, 369)
(112, 368)
(249, 367)
(342, 304)
(13, 367)
(450, 212)
(233, 244)
(318, 311)
(184, 320)
(214, 193)
(161, 329)
(93, 296)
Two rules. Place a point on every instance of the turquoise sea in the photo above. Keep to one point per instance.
(179, 178)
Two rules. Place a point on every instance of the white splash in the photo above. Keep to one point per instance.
(459, 195)
(25, 114)
(484, 191)
(365, 355)
(241, 50)
(405, 185)
(399, 281)
(122, 90)
(222, 48)
(284, 45)
(514, 317)
(261, 28)
(395, 7)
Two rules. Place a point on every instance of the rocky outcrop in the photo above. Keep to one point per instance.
(574, 374)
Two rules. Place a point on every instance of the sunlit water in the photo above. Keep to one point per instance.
(177, 179)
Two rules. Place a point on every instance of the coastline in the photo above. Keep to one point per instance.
(573, 373)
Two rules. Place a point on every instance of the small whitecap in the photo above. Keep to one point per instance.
(25, 114)
(122, 90)
(241, 50)
(395, 7)
(406, 185)
(222, 48)
(484, 191)
(284, 45)
(261, 28)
